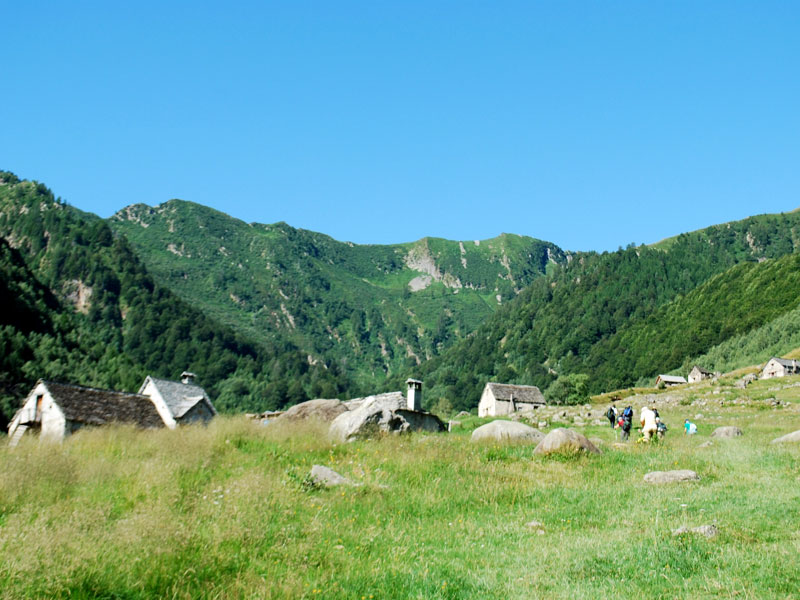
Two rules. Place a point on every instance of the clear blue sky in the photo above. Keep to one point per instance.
(589, 124)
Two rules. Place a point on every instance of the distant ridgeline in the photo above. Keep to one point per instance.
(269, 315)
(614, 318)
(372, 310)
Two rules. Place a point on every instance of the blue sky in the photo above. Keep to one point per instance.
(589, 124)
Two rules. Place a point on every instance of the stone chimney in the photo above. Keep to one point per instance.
(414, 394)
(187, 377)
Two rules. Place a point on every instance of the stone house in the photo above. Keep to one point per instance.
(698, 374)
(503, 399)
(669, 380)
(55, 410)
(779, 367)
(179, 402)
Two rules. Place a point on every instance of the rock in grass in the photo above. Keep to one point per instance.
(321, 410)
(671, 476)
(727, 432)
(708, 531)
(506, 430)
(322, 476)
(707, 444)
(789, 438)
(565, 440)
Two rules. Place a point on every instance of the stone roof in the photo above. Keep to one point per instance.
(181, 397)
(93, 406)
(702, 370)
(671, 378)
(526, 394)
(784, 361)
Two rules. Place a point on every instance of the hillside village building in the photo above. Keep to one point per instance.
(779, 367)
(698, 374)
(503, 399)
(179, 402)
(55, 410)
(669, 380)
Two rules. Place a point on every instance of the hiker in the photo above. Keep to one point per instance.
(627, 423)
(611, 415)
(648, 423)
(661, 428)
(689, 428)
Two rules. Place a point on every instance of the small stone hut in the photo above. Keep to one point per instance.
(669, 380)
(55, 410)
(503, 399)
(179, 402)
(698, 374)
(780, 367)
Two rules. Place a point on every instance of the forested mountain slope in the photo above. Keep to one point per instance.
(103, 321)
(597, 316)
(371, 309)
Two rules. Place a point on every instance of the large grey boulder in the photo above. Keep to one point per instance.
(565, 440)
(793, 437)
(320, 410)
(727, 432)
(659, 477)
(506, 430)
(380, 414)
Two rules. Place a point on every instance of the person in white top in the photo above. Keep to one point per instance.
(649, 423)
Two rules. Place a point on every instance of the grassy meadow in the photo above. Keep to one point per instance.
(227, 512)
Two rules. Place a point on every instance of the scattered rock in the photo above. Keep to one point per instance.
(793, 437)
(506, 430)
(321, 410)
(463, 413)
(380, 414)
(708, 531)
(536, 526)
(322, 476)
(699, 416)
(659, 477)
(706, 444)
(728, 431)
(578, 422)
(561, 440)
(599, 422)
(542, 424)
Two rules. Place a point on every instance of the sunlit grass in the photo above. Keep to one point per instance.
(226, 512)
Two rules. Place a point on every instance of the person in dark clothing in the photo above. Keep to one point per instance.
(611, 415)
(627, 423)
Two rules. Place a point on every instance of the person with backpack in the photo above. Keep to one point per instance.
(611, 415)
(689, 428)
(627, 423)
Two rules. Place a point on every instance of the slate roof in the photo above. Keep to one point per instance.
(702, 370)
(671, 378)
(526, 394)
(93, 406)
(784, 361)
(180, 397)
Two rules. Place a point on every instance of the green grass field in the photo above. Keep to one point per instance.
(227, 512)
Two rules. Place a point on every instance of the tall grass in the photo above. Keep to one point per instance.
(226, 512)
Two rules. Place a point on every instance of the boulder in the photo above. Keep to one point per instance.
(793, 437)
(380, 414)
(727, 432)
(321, 476)
(321, 410)
(565, 440)
(506, 430)
(659, 477)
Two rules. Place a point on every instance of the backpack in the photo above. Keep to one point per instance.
(610, 414)
(628, 413)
